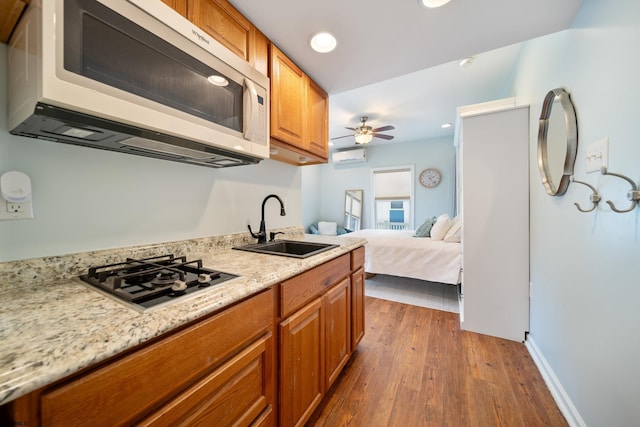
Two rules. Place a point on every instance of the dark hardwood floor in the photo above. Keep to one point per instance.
(415, 367)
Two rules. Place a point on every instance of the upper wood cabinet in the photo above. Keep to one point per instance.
(179, 6)
(299, 113)
(10, 12)
(224, 23)
(318, 120)
(288, 95)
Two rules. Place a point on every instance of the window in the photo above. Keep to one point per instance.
(393, 197)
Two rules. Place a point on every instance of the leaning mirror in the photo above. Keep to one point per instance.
(557, 141)
(352, 209)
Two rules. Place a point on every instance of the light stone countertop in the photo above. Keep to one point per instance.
(51, 329)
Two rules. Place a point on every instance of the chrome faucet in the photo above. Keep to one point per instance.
(261, 235)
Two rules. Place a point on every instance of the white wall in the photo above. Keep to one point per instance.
(584, 312)
(332, 180)
(87, 199)
(311, 191)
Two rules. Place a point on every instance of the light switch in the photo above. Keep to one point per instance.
(597, 155)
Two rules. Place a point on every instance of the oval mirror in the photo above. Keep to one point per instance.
(557, 141)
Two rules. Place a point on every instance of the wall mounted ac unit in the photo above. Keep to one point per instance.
(350, 156)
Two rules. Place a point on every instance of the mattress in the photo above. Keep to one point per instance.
(398, 253)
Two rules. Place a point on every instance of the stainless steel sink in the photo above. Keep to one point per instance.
(290, 248)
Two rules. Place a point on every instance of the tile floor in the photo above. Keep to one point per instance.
(438, 296)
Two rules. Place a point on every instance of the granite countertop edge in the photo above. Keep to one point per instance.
(49, 331)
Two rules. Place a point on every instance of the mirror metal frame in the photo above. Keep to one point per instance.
(571, 125)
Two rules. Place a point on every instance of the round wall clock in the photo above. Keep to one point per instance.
(430, 177)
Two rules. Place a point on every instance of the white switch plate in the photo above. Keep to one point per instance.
(12, 210)
(597, 155)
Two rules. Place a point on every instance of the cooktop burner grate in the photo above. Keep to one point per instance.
(153, 281)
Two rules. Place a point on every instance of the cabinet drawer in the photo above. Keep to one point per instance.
(357, 258)
(299, 290)
(126, 389)
(235, 394)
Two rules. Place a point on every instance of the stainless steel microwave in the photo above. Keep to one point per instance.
(137, 77)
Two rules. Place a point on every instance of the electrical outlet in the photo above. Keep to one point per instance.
(15, 207)
(13, 210)
(597, 155)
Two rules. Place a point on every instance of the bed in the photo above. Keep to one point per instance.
(398, 253)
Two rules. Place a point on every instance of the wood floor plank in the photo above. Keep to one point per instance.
(415, 367)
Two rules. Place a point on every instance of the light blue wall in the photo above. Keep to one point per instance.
(584, 267)
(330, 181)
(87, 199)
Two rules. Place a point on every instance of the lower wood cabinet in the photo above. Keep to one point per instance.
(302, 359)
(337, 330)
(317, 340)
(357, 307)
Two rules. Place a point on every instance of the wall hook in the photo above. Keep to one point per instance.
(594, 197)
(633, 194)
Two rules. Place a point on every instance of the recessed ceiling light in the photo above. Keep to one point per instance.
(218, 80)
(466, 61)
(323, 42)
(433, 3)
(446, 125)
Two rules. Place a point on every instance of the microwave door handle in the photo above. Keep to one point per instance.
(250, 103)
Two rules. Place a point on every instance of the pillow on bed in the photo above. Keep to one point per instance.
(440, 228)
(455, 232)
(328, 228)
(425, 229)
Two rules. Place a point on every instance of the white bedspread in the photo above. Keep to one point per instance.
(398, 253)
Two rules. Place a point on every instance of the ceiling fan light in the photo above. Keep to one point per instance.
(433, 3)
(363, 138)
(323, 42)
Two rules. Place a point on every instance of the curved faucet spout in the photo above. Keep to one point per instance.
(262, 233)
(275, 196)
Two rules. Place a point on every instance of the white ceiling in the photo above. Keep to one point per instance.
(397, 62)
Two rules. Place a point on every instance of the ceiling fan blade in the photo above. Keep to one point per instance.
(340, 137)
(383, 128)
(375, 135)
(350, 128)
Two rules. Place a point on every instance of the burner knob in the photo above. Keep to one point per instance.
(179, 285)
(204, 278)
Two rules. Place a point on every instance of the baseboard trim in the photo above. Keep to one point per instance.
(558, 392)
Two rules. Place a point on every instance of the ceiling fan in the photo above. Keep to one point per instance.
(364, 134)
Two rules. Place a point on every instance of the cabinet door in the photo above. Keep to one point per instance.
(179, 6)
(288, 100)
(224, 23)
(357, 307)
(259, 53)
(318, 119)
(301, 364)
(338, 329)
(235, 394)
